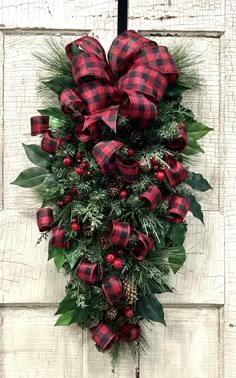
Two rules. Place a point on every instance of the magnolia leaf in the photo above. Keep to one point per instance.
(177, 258)
(52, 251)
(65, 319)
(195, 207)
(81, 315)
(58, 84)
(175, 90)
(177, 233)
(71, 256)
(59, 258)
(30, 177)
(36, 155)
(196, 130)
(197, 181)
(53, 112)
(55, 123)
(67, 304)
(192, 147)
(150, 308)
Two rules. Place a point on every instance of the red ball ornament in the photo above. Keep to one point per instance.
(110, 258)
(160, 175)
(67, 161)
(129, 313)
(79, 171)
(130, 152)
(60, 203)
(68, 198)
(84, 165)
(89, 174)
(73, 190)
(68, 138)
(123, 194)
(117, 264)
(78, 155)
(75, 226)
(153, 161)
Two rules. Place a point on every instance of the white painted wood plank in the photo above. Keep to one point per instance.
(32, 347)
(94, 14)
(1, 117)
(27, 277)
(22, 100)
(228, 101)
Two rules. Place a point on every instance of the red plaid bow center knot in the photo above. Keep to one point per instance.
(131, 82)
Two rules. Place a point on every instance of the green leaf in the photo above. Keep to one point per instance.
(55, 123)
(197, 181)
(150, 308)
(192, 147)
(53, 112)
(196, 130)
(175, 90)
(36, 155)
(195, 207)
(67, 304)
(58, 84)
(59, 258)
(65, 319)
(81, 315)
(177, 233)
(72, 256)
(81, 147)
(30, 177)
(177, 258)
(52, 251)
(76, 51)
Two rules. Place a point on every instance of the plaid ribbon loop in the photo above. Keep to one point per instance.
(59, 239)
(143, 246)
(178, 208)
(128, 169)
(104, 154)
(135, 77)
(179, 143)
(89, 272)
(70, 102)
(119, 233)
(152, 195)
(175, 171)
(44, 219)
(39, 125)
(50, 144)
(112, 290)
(130, 332)
(103, 335)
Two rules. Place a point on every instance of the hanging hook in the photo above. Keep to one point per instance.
(122, 16)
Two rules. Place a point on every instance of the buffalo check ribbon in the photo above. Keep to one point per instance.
(120, 233)
(44, 219)
(178, 208)
(50, 144)
(175, 171)
(132, 81)
(130, 332)
(179, 143)
(59, 239)
(153, 195)
(89, 272)
(39, 125)
(112, 290)
(103, 335)
(143, 245)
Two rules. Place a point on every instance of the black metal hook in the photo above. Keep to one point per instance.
(122, 16)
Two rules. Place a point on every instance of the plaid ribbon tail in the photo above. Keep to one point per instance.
(175, 173)
(50, 144)
(103, 335)
(112, 290)
(39, 125)
(152, 195)
(104, 154)
(178, 208)
(45, 219)
(130, 332)
(59, 239)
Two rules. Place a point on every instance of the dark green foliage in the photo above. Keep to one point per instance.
(195, 207)
(197, 182)
(30, 177)
(150, 308)
(36, 155)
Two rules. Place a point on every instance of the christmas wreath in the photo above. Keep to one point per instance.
(113, 175)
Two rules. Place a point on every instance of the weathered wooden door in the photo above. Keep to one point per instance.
(201, 321)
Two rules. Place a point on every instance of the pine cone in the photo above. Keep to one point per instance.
(104, 241)
(114, 185)
(112, 313)
(87, 230)
(129, 290)
(136, 138)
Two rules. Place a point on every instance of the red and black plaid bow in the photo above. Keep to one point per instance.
(143, 246)
(130, 332)
(175, 171)
(50, 144)
(132, 82)
(89, 272)
(44, 219)
(112, 289)
(178, 208)
(179, 143)
(59, 239)
(39, 125)
(103, 335)
(153, 195)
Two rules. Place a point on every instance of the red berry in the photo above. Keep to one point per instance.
(79, 156)
(123, 194)
(118, 264)
(110, 258)
(68, 138)
(156, 168)
(84, 165)
(67, 161)
(89, 174)
(153, 161)
(160, 175)
(73, 190)
(60, 203)
(130, 152)
(120, 253)
(79, 171)
(129, 313)
(75, 226)
(68, 198)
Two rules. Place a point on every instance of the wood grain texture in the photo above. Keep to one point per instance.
(27, 277)
(32, 347)
(1, 118)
